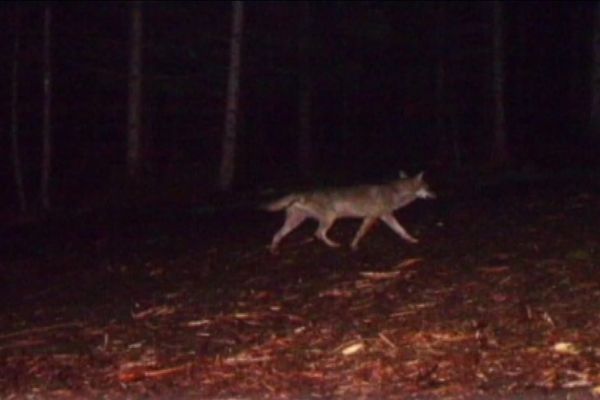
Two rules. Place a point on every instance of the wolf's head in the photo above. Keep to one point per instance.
(421, 188)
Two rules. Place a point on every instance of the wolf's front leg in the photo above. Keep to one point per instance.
(391, 221)
(293, 218)
(362, 231)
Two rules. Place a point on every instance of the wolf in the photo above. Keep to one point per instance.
(369, 202)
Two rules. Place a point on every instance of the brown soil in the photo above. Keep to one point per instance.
(501, 299)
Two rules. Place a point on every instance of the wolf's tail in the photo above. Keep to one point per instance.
(280, 204)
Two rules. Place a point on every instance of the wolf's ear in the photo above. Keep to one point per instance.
(419, 176)
(402, 174)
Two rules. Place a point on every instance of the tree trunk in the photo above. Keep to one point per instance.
(575, 83)
(519, 96)
(449, 147)
(499, 151)
(440, 76)
(47, 123)
(134, 118)
(232, 102)
(594, 130)
(305, 148)
(14, 115)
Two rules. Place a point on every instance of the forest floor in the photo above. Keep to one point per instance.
(500, 299)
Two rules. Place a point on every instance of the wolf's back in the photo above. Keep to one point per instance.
(281, 203)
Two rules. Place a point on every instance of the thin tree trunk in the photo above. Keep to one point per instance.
(305, 148)
(500, 151)
(595, 83)
(446, 138)
(14, 115)
(575, 64)
(232, 102)
(440, 76)
(134, 119)
(520, 78)
(47, 127)
(449, 146)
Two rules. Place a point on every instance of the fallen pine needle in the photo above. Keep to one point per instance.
(24, 343)
(408, 262)
(201, 322)
(168, 371)
(387, 341)
(380, 275)
(40, 329)
(244, 359)
(140, 373)
(153, 312)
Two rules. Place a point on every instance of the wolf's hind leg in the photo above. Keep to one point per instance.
(362, 231)
(293, 218)
(321, 232)
(391, 221)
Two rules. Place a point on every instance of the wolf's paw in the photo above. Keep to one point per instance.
(412, 240)
(332, 244)
(326, 240)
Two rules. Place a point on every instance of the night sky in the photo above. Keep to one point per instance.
(373, 68)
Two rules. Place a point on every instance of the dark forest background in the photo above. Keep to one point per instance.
(373, 70)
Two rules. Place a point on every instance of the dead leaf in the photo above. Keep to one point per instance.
(353, 348)
(499, 297)
(566, 348)
(579, 255)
